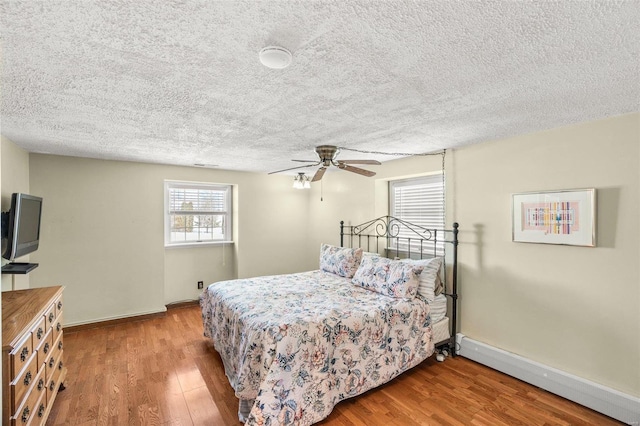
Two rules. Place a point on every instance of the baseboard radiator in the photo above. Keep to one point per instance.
(615, 404)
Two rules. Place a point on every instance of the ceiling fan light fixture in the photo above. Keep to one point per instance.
(301, 181)
(275, 57)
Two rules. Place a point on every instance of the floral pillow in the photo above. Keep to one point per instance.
(339, 260)
(389, 277)
(429, 282)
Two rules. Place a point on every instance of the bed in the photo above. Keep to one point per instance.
(295, 345)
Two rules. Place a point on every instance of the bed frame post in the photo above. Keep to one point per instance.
(342, 233)
(454, 292)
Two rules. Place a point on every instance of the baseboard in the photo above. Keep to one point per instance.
(115, 320)
(613, 403)
(183, 304)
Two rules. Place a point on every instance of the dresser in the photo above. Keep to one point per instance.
(32, 354)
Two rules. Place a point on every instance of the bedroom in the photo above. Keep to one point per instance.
(579, 313)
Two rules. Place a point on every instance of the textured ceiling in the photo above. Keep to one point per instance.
(179, 82)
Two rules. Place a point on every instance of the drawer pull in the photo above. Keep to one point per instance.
(24, 354)
(27, 378)
(46, 348)
(41, 410)
(59, 305)
(51, 317)
(52, 386)
(60, 344)
(25, 415)
(58, 327)
(39, 333)
(52, 362)
(40, 384)
(60, 366)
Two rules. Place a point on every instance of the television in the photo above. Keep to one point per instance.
(21, 225)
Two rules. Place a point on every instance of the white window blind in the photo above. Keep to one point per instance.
(419, 201)
(197, 213)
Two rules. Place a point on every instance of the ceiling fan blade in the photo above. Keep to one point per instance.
(357, 170)
(292, 168)
(319, 174)
(374, 162)
(307, 161)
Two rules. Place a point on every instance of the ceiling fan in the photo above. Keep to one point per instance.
(328, 154)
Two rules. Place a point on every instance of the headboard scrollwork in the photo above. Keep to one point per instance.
(391, 234)
(389, 226)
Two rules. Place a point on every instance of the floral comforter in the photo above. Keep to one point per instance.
(299, 344)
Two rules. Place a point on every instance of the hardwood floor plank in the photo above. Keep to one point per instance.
(162, 371)
(202, 408)
(189, 376)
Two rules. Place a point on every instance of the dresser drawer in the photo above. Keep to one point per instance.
(57, 327)
(39, 332)
(37, 418)
(23, 382)
(40, 407)
(45, 348)
(53, 357)
(26, 409)
(50, 314)
(55, 375)
(58, 304)
(20, 356)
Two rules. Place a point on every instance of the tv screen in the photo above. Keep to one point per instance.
(23, 227)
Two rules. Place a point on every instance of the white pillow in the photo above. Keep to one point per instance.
(429, 282)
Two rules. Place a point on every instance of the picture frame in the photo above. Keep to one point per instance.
(566, 217)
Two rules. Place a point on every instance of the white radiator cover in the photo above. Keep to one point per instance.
(615, 404)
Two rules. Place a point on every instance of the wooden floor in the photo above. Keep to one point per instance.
(162, 371)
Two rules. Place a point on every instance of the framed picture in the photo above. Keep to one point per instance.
(555, 217)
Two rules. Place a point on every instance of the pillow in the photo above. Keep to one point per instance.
(389, 277)
(429, 281)
(340, 261)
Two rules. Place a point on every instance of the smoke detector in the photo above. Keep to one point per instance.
(275, 57)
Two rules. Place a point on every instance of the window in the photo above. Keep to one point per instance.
(419, 201)
(196, 213)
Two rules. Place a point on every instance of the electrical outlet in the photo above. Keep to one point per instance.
(200, 285)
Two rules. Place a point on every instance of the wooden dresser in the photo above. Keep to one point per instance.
(32, 367)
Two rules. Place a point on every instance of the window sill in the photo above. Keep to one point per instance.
(197, 244)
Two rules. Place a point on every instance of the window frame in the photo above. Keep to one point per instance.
(228, 213)
(431, 179)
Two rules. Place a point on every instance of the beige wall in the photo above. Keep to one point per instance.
(573, 308)
(100, 236)
(342, 196)
(15, 178)
(184, 267)
(103, 235)
(272, 225)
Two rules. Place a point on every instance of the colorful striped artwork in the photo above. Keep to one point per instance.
(559, 218)
(555, 217)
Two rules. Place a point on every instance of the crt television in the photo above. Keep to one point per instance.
(21, 225)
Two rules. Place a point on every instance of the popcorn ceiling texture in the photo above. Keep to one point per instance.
(179, 82)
